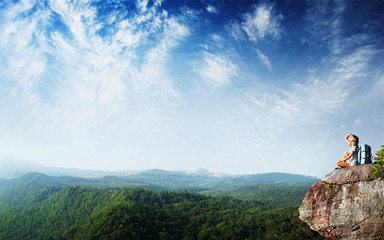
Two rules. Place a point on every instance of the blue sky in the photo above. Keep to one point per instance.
(232, 86)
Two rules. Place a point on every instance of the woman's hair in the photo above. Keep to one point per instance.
(355, 140)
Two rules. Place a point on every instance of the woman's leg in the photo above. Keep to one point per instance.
(343, 164)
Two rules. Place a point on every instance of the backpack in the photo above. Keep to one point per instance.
(365, 155)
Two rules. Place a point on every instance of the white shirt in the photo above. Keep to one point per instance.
(354, 158)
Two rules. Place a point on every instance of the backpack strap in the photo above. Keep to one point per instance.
(359, 156)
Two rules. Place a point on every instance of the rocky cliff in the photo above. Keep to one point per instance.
(346, 204)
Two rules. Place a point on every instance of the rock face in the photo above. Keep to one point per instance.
(345, 204)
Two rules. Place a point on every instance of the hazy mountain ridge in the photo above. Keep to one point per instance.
(11, 167)
(15, 168)
(39, 179)
(165, 180)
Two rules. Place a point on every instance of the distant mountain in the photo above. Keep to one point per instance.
(148, 179)
(176, 179)
(39, 179)
(11, 167)
(268, 178)
(180, 179)
(20, 173)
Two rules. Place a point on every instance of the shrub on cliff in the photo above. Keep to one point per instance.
(378, 168)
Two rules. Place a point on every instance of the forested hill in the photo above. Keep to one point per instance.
(127, 213)
(168, 205)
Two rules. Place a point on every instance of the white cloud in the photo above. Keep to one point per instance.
(379, 85)
(64, 82)
(262, 22)
(236, 31)
(212, 9)
(358, 121)
(325, 24)
(216, 70)
(316, 100)
(142, 5)
(264, 59)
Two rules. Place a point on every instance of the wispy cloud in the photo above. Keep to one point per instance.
(212, 9)
(325, 24)
(64, 69)
(262, 22)
(216, 70)
(328, 88)
(264, 59)
(316, 101)
(84, 53)
(236, 31)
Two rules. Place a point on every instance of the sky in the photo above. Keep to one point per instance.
(237, 87)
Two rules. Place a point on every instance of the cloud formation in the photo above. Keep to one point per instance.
(262, 22)
(212, 9)
(87, 67)
(324, 23)
(217, 70)
(67, 73)
(264, 59)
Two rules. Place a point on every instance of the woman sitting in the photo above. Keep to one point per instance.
(350, 158)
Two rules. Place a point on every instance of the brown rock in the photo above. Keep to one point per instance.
(346, 205)
(345, 175)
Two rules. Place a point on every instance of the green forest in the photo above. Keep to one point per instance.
(255, 211)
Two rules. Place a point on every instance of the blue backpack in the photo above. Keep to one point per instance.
(365, 155)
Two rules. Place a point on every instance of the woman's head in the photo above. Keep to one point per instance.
(354, 140)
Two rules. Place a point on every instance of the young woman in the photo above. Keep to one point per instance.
(350, 158)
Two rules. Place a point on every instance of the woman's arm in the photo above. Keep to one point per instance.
(346, 138)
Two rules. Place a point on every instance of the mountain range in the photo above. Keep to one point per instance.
(14, 172)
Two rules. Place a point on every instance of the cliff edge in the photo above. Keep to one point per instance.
(346, 204)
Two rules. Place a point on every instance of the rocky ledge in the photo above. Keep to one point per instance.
(346, 204)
